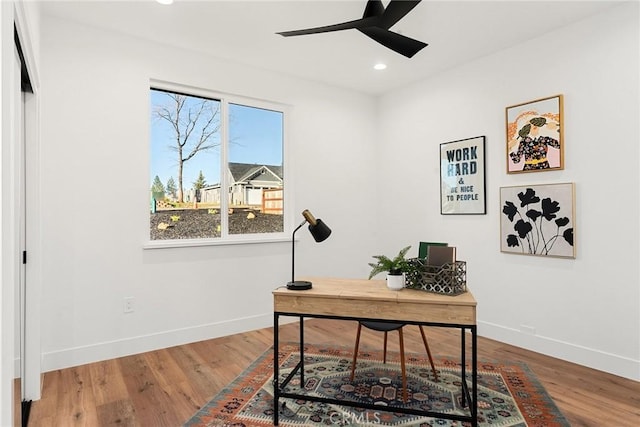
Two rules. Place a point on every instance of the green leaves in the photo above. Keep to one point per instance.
(384, 263)
(538, 121)
(526, 129)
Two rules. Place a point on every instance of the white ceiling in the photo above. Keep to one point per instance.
(244, 31)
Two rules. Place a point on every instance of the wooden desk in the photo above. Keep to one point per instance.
(354, 299)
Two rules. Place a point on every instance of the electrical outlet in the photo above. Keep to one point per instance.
(128, 305)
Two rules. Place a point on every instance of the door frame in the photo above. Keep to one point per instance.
(31, 108)
(14, 21)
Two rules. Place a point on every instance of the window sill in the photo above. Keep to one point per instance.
(236, 240)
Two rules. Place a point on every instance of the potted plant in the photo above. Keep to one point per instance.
(395, 268)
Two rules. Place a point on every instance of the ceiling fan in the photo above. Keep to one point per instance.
(375, 23)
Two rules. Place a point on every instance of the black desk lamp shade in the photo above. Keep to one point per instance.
(320, 232)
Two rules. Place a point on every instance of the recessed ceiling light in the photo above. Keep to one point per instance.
(165, 1)
(380, 66)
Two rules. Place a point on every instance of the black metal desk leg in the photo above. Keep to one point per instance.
(463, 365)
(301, 352)
(474, 370)
(276, 358)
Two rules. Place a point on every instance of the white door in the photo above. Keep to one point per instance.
(29, 375)
(22, 212)
(26, 208)
(19, 221)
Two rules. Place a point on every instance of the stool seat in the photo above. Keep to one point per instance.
(382, 326)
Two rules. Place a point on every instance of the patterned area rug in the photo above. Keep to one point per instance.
(508, 393)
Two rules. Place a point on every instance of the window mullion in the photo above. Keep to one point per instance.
(224, 169)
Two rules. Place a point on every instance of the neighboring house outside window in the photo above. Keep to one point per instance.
(247, 185)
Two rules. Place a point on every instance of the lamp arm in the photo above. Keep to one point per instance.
(293, 250)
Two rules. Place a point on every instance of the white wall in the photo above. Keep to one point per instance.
(95, 139)
(585, 310)
(95, 109)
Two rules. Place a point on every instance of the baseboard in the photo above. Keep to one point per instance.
(602, 361)
(592, 358)
(133, 345)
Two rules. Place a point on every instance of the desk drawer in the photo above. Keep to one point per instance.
(388, 310)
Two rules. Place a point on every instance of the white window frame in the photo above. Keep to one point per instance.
(226, 238)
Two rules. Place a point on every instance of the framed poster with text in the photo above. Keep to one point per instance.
(462, 177)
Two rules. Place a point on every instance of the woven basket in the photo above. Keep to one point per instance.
(449, 279)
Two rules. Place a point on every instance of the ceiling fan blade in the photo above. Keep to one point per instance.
(403, 45)
(395, 11)
(358, 23)
(375, 24)
(373, 8)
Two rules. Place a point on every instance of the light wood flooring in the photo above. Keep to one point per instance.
(166, 387)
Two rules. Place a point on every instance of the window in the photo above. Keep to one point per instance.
(216, 167)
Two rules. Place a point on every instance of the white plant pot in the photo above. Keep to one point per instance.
(395, 282)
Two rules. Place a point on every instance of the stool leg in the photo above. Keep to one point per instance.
(355, 352)
(404, 372)
(384, 353)
(426, 346)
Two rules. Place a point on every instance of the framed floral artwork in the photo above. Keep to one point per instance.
(462, 177)
(534, 136)
(538, 220)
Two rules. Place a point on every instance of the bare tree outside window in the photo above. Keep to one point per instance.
(196, 128)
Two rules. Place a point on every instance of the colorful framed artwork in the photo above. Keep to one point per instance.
(534, 136)
(538, 220)
(462, 177)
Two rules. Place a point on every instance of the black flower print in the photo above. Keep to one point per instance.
(531, 226)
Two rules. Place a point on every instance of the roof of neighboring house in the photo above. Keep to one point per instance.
(249, 171)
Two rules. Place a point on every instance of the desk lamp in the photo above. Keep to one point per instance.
(320, 232)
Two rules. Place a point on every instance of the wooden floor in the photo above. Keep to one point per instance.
(166, 387)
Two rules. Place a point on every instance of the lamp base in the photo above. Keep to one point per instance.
(299, 285)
